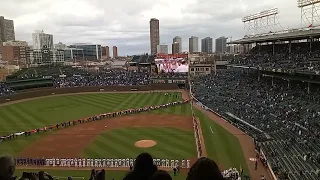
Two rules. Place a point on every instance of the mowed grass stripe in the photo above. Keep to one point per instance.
(165, 143)
(180, 138)
(40, 121)
(221, 146)
(23, 122)
(9, 124)
(104, 150)
(136, 134)
(114, 141)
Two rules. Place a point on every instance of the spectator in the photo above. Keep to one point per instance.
(204, 169)
(161, 175)
(143, 168)
(7, 168)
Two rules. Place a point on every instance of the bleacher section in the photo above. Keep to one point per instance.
(282, 117)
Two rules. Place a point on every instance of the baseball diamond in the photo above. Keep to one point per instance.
(170, 129)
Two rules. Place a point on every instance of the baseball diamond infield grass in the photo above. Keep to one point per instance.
(172, 143)
(176, 143)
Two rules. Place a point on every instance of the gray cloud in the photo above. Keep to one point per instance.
(125, 23)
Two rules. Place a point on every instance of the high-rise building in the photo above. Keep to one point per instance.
(107, 50)
(60, 46)
(91, 52)
(6, 30)
(221, 44)
(40, 39)
(162, 48)
(178, 40)
(175, 48)
(154, 35)
(16, 55)
(115, 51)
(206, 45)
(193, 44)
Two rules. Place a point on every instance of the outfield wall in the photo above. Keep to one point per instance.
(32, 93)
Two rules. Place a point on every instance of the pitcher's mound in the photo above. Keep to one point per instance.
(145, 143)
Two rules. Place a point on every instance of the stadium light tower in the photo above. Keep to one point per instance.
(309, 13)
(262, 22)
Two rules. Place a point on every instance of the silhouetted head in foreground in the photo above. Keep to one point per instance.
(204, 169)
(161, 175)
(143, 168)
(7, 167)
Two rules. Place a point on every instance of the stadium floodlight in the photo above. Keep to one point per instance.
(309, 13)
(261, 14)
(264, 22)
(304, 3)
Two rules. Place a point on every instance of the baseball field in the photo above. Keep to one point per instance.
(164, 133)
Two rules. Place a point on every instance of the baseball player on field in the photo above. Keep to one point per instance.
(182, 163)
(158, 162)
(111, 162)
(176, 163)
(127, 162)
(163, 163)
(84, 162)
(92, 162)
(167, 163)
(75, 162)
(115, 162)
(131, 162)
(103, 162)
(172, 163)
(80, 162)
(188, 163)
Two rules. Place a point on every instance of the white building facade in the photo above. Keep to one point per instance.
(163, 49)
(41, 39)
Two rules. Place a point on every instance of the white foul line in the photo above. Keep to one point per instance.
(211, 130)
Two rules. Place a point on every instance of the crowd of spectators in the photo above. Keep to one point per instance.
(143, 169)
(119, 77)
(5, 90)
(280, 115)
(299, 57)
(197, 136)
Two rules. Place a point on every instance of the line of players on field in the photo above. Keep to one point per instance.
(113, 163)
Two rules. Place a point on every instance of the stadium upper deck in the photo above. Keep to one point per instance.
(295, 34)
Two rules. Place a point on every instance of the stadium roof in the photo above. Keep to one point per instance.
(286, 36)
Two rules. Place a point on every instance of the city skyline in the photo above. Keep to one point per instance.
(128, 29)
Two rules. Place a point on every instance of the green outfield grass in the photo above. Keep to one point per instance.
(224, 147)
(172, 143)
(51, 110)
(78, 175)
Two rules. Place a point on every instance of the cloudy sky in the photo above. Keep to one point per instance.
(125, 23)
